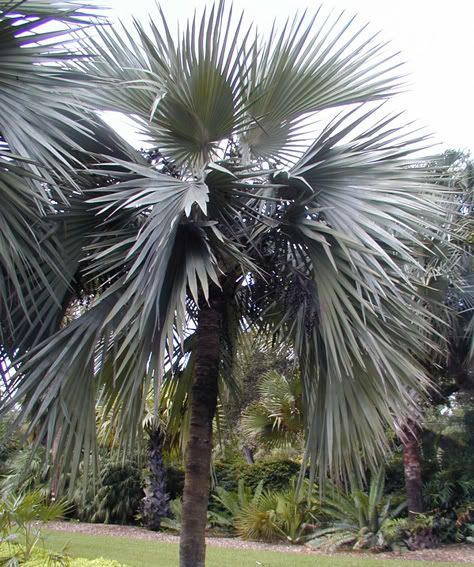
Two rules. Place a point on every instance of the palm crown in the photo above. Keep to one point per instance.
(318, 247)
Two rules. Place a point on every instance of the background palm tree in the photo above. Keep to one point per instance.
(448, 293)
(316, 248)
(276, 419)
(156, 501)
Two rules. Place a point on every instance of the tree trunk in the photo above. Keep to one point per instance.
(56, 468)
(412, 469)
(248, 454)
(156, 501)
(199, 447)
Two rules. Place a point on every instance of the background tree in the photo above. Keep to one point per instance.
(448, 295)
(275, 419)
(253, 359)
(156, 500)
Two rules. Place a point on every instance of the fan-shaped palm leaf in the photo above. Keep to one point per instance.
(219, 80)
(39, 117)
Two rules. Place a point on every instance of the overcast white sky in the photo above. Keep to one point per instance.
(436, 39)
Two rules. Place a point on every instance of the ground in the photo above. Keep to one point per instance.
(86, 539)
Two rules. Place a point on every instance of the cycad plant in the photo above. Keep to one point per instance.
(267, 218)
(357, 517)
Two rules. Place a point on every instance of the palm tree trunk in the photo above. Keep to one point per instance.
(199, 447)
(412, 469)
(156, 501)
(248, 454)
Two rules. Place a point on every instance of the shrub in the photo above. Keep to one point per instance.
(10, 442)
(226, 475)
(257, 520)
(453, 526)
(446, 490)
(174, 523)
(25, 471)
(231, 504)
(117, 498)
(276, 475)
(43, 558)
(174, 481)
(294, 513)
(428, 530)
(21, 519)
(413, 533)
(266, 515)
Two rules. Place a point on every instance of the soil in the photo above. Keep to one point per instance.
(455, 553)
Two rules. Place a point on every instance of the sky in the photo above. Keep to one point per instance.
(435, 38)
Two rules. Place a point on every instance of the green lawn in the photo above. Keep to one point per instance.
(141, 553)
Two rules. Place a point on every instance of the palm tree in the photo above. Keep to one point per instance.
(243, 223)
(155, 505)
(275, 420)
(448, 292)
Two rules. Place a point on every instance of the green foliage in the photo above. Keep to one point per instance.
(429, 530)
(9, 443)
(254, 359)
(174, 481)
(43, 558)
(446, 528)
(453, 526)
(22, 517)
(117, 498)
(276, 475)
(470, 531)
(26, 471)
(412, 532)
(295, 513)
(394, 475)
(174, 523)
(257, 520)
(448, 457)
(356, 518)
(233, 502)
(276, 418)
(266, 515)
(214, 519)
(256, 514)
(444, 492)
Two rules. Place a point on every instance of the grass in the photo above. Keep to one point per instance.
(142, 553)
